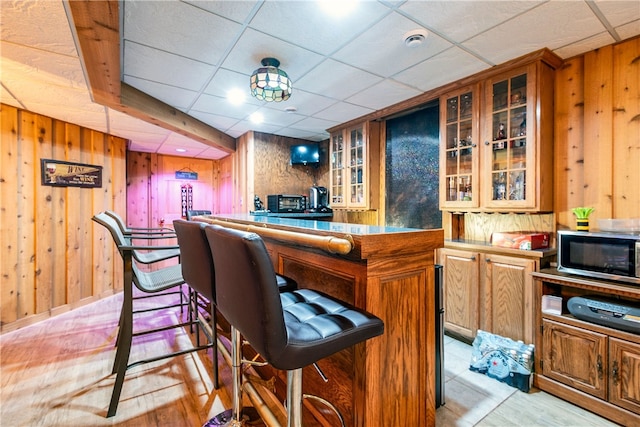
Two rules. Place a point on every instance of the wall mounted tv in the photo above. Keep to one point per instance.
(305, 154)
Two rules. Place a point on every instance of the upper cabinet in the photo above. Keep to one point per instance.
(353, 154)
(497, 151)
(459, 157)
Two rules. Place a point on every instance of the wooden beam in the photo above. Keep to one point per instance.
(97, 29)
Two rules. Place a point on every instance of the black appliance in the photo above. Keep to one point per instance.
(439, 299)
(603, 255)
(319, 199)
(615, 314)
(286, 203)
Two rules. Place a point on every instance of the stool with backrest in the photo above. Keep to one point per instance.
(144, 254)
(153, 282)
(198, 271)
(290, 330)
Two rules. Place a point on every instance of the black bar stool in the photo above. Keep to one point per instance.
(290, 330)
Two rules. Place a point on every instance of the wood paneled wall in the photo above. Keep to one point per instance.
(597, 134)
(154, 192)
(53, 257)
(263, 167)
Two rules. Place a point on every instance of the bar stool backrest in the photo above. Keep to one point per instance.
(195, 257)
(110, 224)
(247, 293)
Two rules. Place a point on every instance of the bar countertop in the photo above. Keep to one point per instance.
(368, 240)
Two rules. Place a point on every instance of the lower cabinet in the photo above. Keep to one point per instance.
(461, 302)
(588, 364)
(488, 291)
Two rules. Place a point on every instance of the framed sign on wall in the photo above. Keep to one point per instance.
(68, 174)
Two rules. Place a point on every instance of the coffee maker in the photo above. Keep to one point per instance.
(319, 199)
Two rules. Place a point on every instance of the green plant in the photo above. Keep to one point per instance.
(582, 212)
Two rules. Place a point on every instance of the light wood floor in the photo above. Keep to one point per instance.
(57, 373)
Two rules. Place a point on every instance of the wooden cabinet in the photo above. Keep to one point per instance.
(497, 148)
(591, 365)
(507, 296)
(459, 153)
(488, 291)
(460, 275)
(353, 154)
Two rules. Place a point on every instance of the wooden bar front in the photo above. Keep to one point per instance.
(390, 379)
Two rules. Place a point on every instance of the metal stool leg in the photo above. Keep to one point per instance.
(294, 398)
(232, 417)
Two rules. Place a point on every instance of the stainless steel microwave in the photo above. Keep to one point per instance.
(600, 254)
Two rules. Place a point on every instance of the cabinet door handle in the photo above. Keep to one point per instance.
(599, 366)
(615, 372)
(473, 258)
(486, 143)
(474, 145)
(488, 259)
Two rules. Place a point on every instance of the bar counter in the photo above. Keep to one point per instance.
(389, 271)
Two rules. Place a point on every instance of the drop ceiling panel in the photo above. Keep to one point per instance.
(179, 98)
(383, 94)
(159, 66)
(308, 25)
(211, 104)
(37, 24)
(370, 51)
(179, 28)
(563, 23)
(461, 20)
(337, 80)
(341, 112)
(450, 65)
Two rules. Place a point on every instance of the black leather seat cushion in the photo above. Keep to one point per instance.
(319, 325)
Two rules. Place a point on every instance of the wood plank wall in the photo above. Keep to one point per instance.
(597, 134)
(53, 257)
(154, 192)
(262, 167)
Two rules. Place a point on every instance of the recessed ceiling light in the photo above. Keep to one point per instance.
(181, 150)
(256, 118)
(291, 109)
(236, 96)
(338, 8)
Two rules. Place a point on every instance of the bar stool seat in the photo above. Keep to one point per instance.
(290, 330)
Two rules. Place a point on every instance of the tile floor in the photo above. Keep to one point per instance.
(473, 399)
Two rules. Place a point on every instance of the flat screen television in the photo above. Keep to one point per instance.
(305, 154)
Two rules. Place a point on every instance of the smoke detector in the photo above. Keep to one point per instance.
(415, 38)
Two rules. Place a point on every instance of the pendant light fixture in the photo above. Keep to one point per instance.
(270, 83)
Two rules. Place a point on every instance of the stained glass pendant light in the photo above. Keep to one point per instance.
(269, 83)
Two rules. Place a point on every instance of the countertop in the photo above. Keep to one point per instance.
(488, 247)
(366, 241)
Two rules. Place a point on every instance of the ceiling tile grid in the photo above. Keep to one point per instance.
(191, 54)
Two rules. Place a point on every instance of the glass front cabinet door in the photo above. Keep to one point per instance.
(517, 140)
(496, 147)
(349, 168)
(459, 154)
